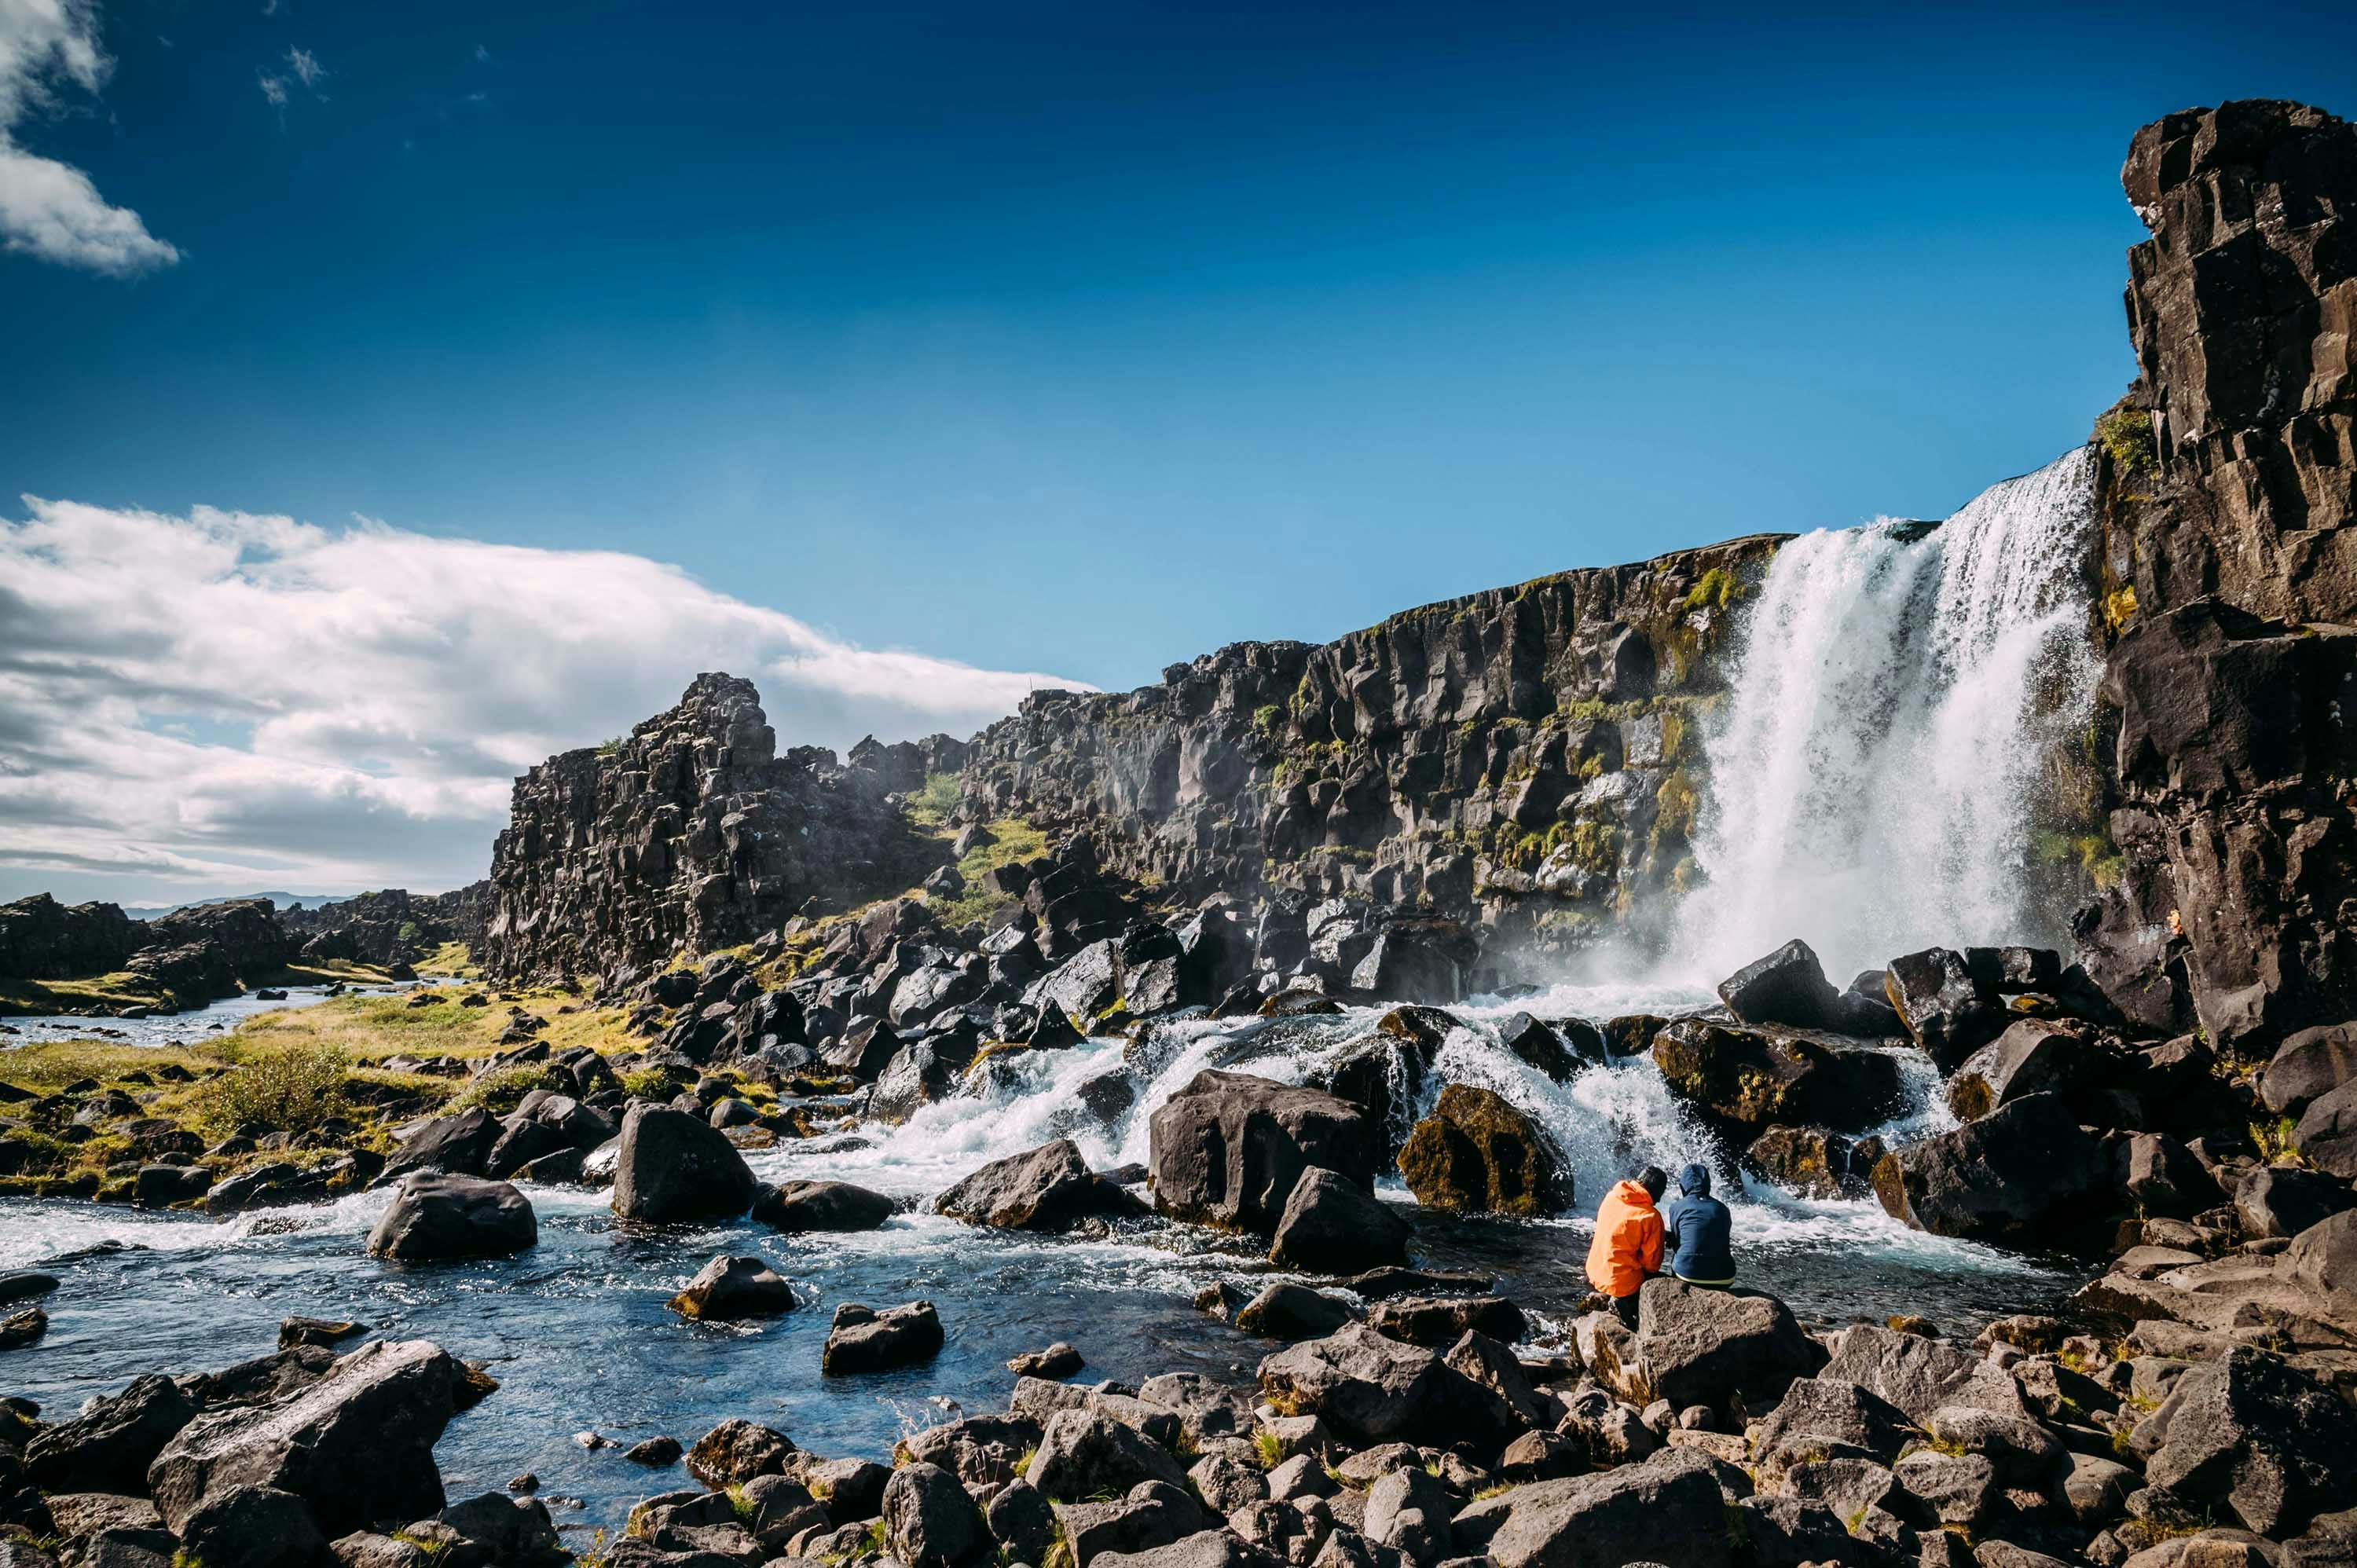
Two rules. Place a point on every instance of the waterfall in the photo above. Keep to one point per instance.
(1874, 769)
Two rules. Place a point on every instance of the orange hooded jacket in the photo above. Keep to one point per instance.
(1628, 1245)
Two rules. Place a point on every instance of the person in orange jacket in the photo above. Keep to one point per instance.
(1626, 1251)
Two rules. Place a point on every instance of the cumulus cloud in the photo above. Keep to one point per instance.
(50, 209)
(222, 702)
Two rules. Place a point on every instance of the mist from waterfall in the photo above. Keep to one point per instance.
(1875, 767)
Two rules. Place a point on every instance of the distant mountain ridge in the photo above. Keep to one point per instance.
(278, 900)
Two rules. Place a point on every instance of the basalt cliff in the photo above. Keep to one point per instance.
(1525, 764)
(2229, 573)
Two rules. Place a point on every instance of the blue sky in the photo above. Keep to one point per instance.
(1083, 338)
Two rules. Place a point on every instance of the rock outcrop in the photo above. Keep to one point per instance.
(1526, 755)
(2230, 574)
(41, 939)
(692, 833)
(394, 926)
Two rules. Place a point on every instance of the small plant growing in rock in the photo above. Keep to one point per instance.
(2125, 437)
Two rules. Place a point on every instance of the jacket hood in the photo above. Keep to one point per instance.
(1629, 1192)
(1695, 1181)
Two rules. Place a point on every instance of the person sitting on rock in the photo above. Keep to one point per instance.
(1698, 1229)
(1628, 1246)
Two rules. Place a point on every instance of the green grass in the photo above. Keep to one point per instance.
(1718, 588)
(295, 1087)
(1015, 839)
(929, 807)
(1270, 1449)
(2277, 1141)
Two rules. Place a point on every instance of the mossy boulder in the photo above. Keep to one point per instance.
(1477, 1153)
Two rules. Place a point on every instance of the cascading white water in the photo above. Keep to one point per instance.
(1873, 769)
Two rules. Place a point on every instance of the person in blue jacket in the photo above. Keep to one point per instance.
(1698, 1230)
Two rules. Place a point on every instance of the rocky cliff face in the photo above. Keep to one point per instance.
(693, 833)
(393, 925)
(1527, 754)
(2230, 576)
(41, 939)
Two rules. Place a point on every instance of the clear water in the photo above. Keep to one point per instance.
(1874, 769)
(173, 1030)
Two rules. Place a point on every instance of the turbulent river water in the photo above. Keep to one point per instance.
(1887, 670)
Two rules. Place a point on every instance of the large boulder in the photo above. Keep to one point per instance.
(434, 1218)
(1049, 1189)
(930, 1521)
(1086, 1454)
(2034, 1056)
(1417, 960)
(1835, 1410)
(1919, 1375)
(1332, 1225)
(1788, 986)
(2309, 1065)
(108, 1446)
(1369, 1389)
(2323, 1258)
(796, 1207)
(1743, 1081)
(861, 1339)
(2326, 1136)
(2026, 1174)
(1700, 1346)
(1477, 1153)
(357, 1446)
(1227, 1149)
(1816, 1161)
(1667, 1510)
(729, 1288)
(460, 1144)
(675, 1167)
(253, 1527)
(1941, 1006)
(2276, 1200)
(2252, 1434)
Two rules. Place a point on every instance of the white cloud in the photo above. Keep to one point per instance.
(224, 701)
(274, 90)
(50, 209)
(306, 67)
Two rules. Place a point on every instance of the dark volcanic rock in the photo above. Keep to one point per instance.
(2223, 521)
(692, 832)
(729, 1288)
(1050, 1189)
(2249, 1434)
(1815, 1162)
(1333, 1225)
(435, 1217)
(1227, 1148)
(1743, 1081)
(2025, 1175)
(108, 1445)
(1788, 986)
(1476, 1152)
(357, 1446)
(1941, 1006)
(675, 1166)
(41, 939)
(1353, 769)
(800, 1205)
(862, 1340)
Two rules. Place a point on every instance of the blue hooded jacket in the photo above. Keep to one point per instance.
(1698, 1229)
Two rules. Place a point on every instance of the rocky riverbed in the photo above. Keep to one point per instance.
(1158, 1131)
